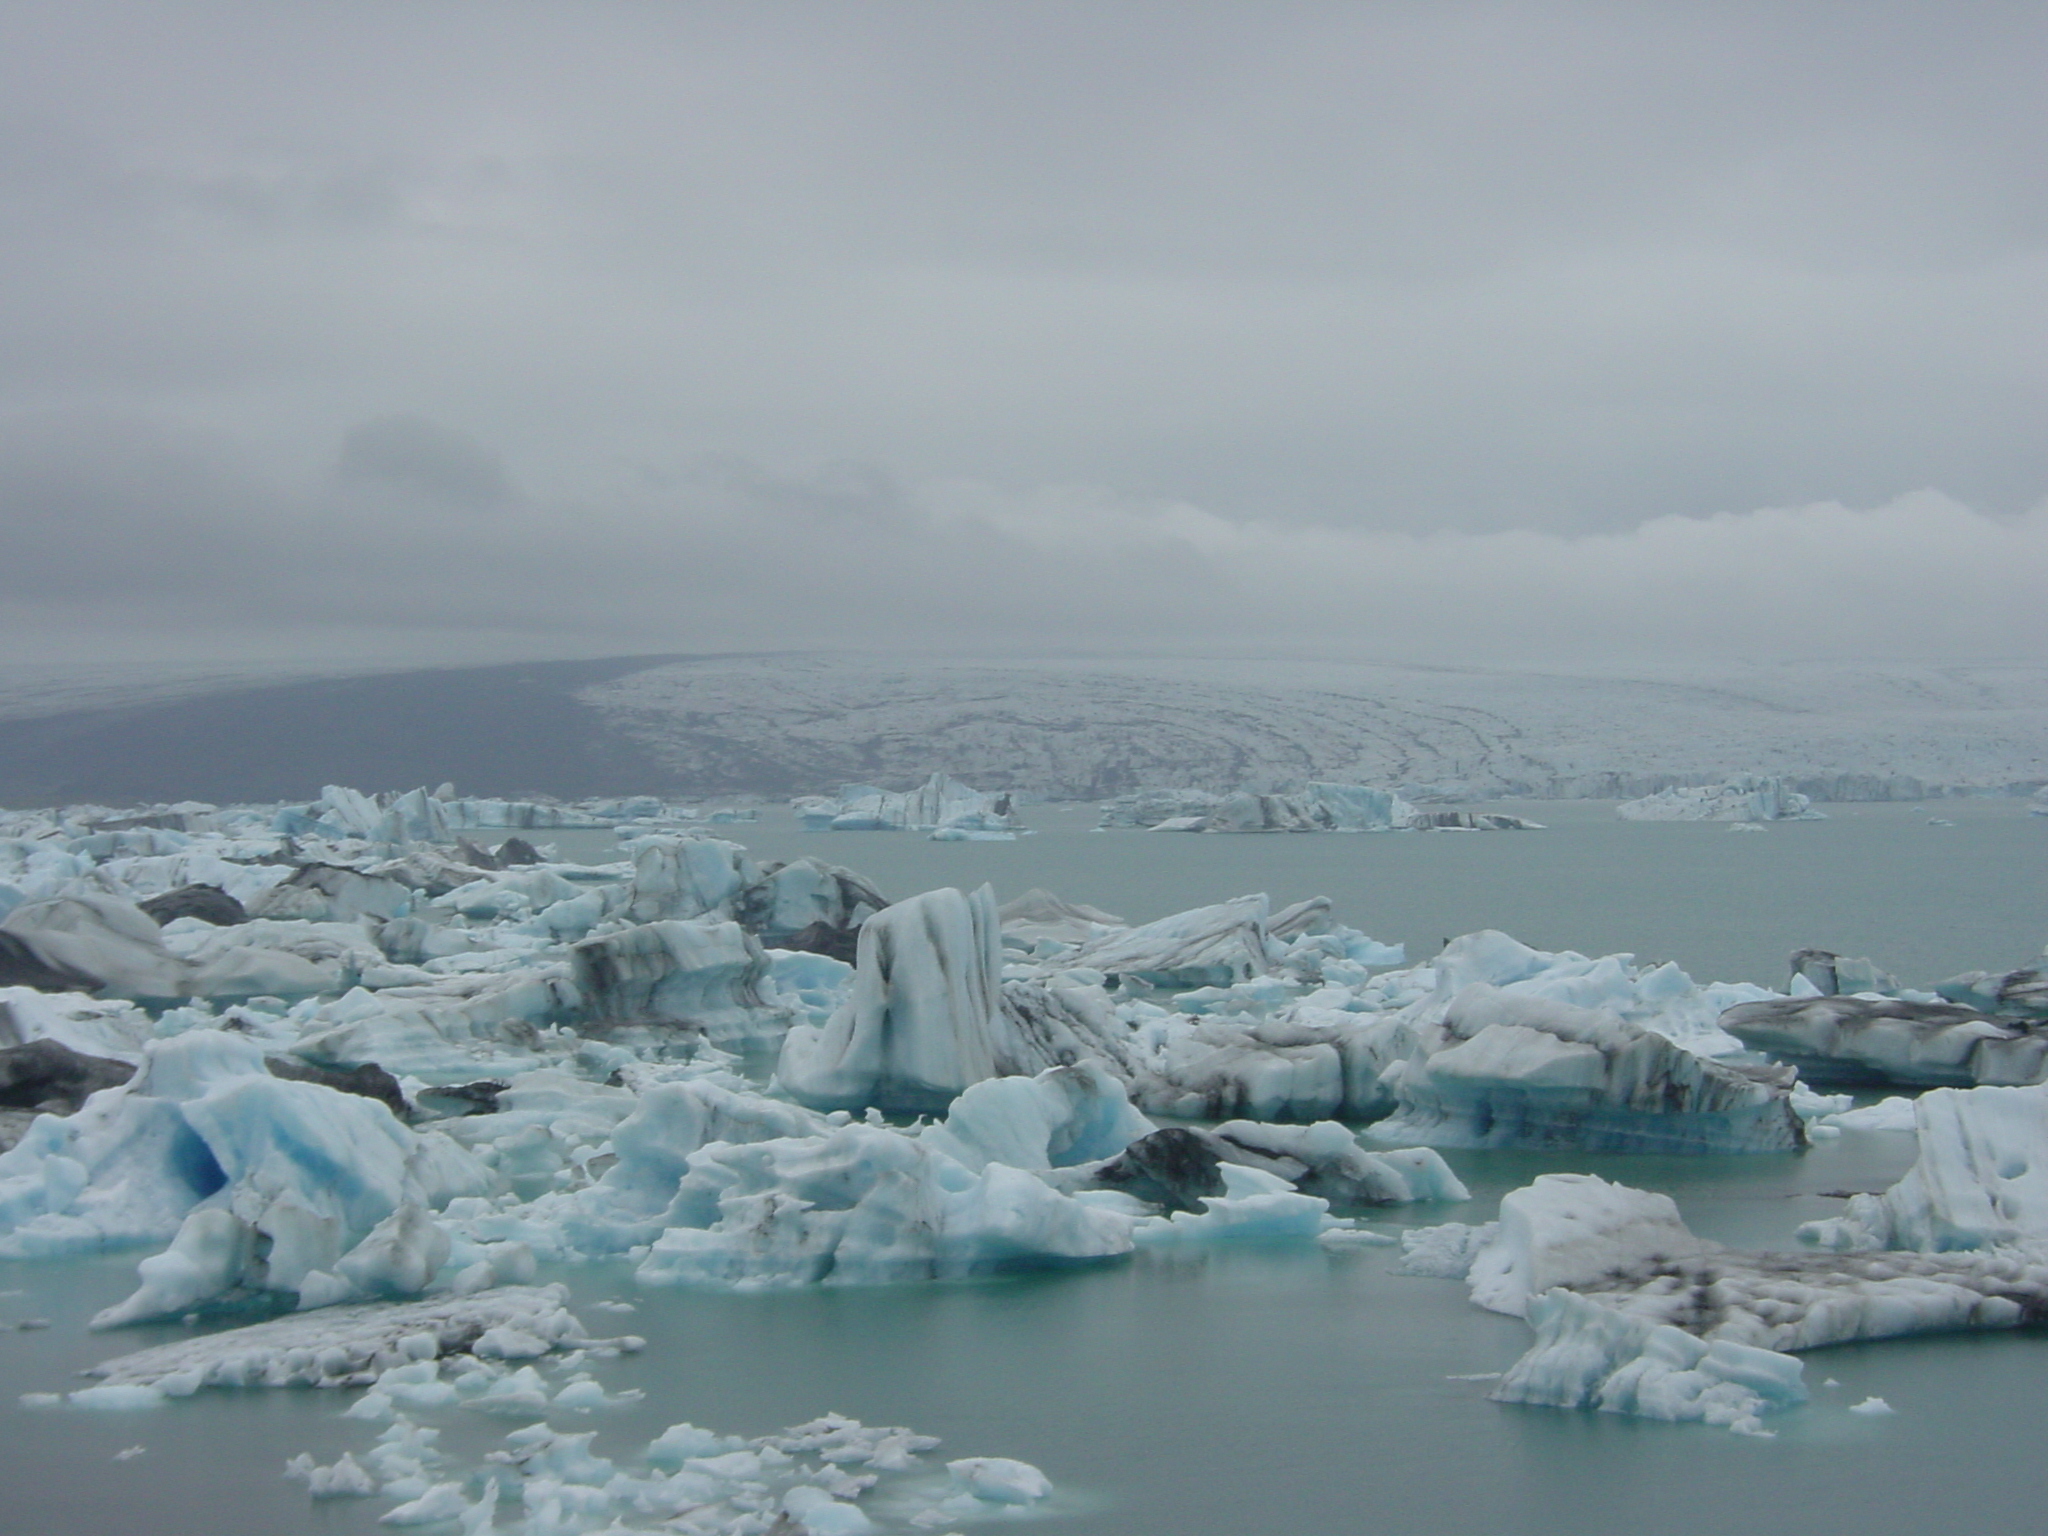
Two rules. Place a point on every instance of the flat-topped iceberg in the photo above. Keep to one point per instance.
(1314, 807)
(1494, 1068)
(348, 1346)
(1748, 798)
(941, 803)
(1871, 1041)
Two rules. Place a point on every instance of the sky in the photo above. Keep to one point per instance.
(421, 332)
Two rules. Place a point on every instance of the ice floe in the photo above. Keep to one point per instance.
(350, 1346)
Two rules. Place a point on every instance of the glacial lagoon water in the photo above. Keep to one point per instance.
(1254, 1390)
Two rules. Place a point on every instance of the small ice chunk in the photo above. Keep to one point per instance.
(822, 1515)
(506, 1342)
(523, 1394)
(1874, 1407)
(443, 1501)
(686, 1442)
(346, 1479)
(999, 1480)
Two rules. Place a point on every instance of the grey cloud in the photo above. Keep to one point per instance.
(1386, 270)
(408, 454)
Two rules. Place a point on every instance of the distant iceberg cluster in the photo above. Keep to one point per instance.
(942, 807)
(1315, 807)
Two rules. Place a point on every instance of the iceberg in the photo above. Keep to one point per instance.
(1147, 808)
(1748, 798)
(1572, 1230)
(1315, 807)
(1181, 1168)
(924, 1018)
(685, 877)
(807, 898)
(1635, 1314)
(833, 1476)
(1206, 947)
(1872, 1041)
(111, 1027)
(1980, 1180)
(1471, 821)
(703, 975)
(263, 1186)
(99, 943)
(1497, 1068)
(864, 1205)
(1062, 1117)
(941, 803)
(326, 893)
(1627, 1249)
(47, 1074)
(1590, 1356)
(1039, 917)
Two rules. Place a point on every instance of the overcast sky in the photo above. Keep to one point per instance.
(421, 331)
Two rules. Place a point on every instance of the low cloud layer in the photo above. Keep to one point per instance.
(141, 543)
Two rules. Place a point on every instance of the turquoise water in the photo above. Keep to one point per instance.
(1256, 1390)
(1875, 880)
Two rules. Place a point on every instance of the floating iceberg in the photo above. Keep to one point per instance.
(702, 975)
(1748, 798)
(864, 1205)
(1980, 1181)
(1147, 808)
(1496, 1068)
(1635, 1314)
(264, 1186)
(1590, 1356)
(1869, 1040)
(940, 803)
(1315, 807)
(833, 1476)
(924, 1019)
